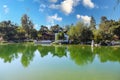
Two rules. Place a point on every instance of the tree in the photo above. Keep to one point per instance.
(92, 23)
(34, 34)
(60, 36)
(86, 35)
(25, 21)
(43, 29)
(8, 30)
(27, 25)
(117, 31)
(105, 28)
(103, 19)
(71, 33)
(56, 28)
(80, 33)
(43, 32)
(97, 36)
(20, 33)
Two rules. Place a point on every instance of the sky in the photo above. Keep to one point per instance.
(62, 12)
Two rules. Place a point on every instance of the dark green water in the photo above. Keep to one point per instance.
(35, 62)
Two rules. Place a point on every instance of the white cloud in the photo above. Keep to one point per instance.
(86, 19)
(52, 19)
(66, 6)
(76, 2)
(78, 16)
(88, 3)
(54, 1)
(42, 7)
(53, 6)
(6, 9)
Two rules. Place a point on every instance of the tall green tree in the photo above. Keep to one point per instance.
(80, 33)
(75, 32)
(92, 23)
(27, 25)
(86, 35)
(105, 28)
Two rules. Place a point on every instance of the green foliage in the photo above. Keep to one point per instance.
(27, 25)
(108, 53)
(77, 33)
(13, 32)
(55, 28)
(8, 30)
(20, 33)
(60, 36)
(80, 33)
(92, 23)
(33, 34)
(116, 31)
(107, 28)
(97, 36)
(81, 55)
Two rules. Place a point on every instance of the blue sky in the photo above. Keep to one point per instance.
(62, 12)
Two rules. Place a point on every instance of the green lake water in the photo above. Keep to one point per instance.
(73, 62)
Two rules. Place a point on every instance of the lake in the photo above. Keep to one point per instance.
(60, 62)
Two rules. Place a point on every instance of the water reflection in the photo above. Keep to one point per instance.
(81, 55)
(108, 53)
(58, 51)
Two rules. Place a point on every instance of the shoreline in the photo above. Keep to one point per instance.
(5, 43)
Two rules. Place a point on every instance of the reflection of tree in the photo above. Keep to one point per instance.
(108, 53)
(10, 52)
(60, 51)
(27, 54)
(45, 49)
(81, 54)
